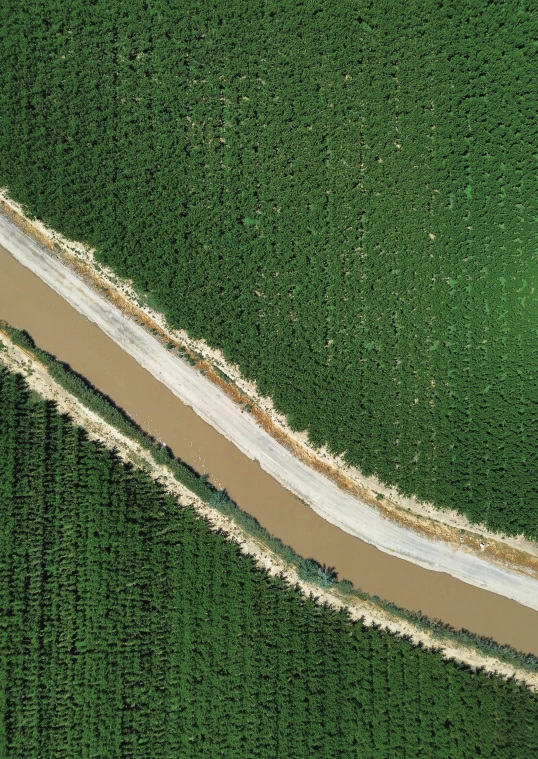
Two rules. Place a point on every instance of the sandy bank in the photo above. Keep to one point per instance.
(342, 509)
(39, 380)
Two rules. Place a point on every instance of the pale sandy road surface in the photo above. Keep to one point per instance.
(37, 377)
(213, 406)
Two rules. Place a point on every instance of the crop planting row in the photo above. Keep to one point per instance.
(130, 629)
(340, 195)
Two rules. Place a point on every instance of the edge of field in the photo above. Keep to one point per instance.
(517, 553)
(37, 376)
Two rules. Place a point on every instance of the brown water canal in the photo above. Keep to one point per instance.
(29, 304)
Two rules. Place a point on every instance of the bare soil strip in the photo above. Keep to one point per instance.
(28, 303)
(38, 379)
(502, 567)
(443, 524)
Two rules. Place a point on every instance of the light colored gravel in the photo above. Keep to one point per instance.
(513, 551)
(39, 380)
(211, 404)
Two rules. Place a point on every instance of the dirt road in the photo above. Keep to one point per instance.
(39, 380)
(341, 509)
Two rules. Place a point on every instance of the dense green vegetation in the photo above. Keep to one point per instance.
(341, 195)
(129, 629)
(308, 569)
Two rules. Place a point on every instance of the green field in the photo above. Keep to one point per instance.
(129, 629)
(341, 195)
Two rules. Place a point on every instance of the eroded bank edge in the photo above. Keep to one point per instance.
(517, 554)
(107, 423)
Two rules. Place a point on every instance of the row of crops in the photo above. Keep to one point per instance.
(340, 195)
(307, 569)
(130, 629)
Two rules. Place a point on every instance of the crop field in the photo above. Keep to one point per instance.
(130, 629)
(340, 195)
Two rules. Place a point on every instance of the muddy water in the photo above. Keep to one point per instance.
(28, 304)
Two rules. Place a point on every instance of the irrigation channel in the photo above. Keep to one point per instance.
(27, 303)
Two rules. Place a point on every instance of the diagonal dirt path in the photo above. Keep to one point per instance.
(38, 379)
(351, 514)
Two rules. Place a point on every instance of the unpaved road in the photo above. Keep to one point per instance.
(333, 505)
(38, 378)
